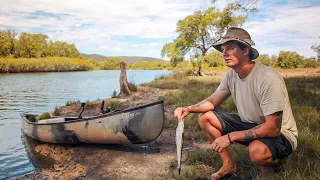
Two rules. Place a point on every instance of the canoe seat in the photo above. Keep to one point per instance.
(53, 120)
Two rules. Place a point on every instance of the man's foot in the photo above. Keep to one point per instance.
(224, 171)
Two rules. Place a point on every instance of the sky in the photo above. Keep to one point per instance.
(143, 27)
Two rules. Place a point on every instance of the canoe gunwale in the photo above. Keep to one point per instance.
(23, 115)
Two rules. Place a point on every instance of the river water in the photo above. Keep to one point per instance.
(42, 92)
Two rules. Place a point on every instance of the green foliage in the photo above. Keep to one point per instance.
(127, 59)
(116, 105)
(199, 31)
(34, 46)
(31, 45)
(309, 63)
(90, 104)
(289, 60)
(7, 43)
(267, 60)
(187, 173)
(112, 63)
(62, 49)
(214, 59)
(203, 156)
(70, 103)
(132, 87)
(49, 64)
(173, 52)
(154, 65)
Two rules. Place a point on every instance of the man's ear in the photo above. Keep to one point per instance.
(247, 51)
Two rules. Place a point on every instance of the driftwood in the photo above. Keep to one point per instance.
(124, 88)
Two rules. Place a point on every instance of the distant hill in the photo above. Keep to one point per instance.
(127, 59)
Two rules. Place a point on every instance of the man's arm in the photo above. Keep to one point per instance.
(207, 104)
(271, 128)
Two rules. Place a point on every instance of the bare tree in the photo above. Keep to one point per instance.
(248, 6)
(124, 88)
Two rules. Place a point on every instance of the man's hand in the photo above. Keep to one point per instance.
(181, 112)
(220, 143)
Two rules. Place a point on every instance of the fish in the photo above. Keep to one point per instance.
(179, 142)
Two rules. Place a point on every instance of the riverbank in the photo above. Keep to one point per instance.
(156, 160)
(110, 161)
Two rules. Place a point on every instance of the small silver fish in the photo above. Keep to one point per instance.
(179, 142)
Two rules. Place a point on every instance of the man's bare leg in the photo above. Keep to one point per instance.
(261, 156)
(212, 128)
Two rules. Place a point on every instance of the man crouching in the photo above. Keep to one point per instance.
(264, 122)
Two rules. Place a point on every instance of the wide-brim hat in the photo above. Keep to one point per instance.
(241, 36)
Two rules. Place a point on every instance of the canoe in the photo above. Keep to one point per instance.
(134, 125)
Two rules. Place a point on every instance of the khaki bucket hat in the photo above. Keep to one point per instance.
(241, 36)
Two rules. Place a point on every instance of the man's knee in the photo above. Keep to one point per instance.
(259, 153)
(205, 118)
(209, 119)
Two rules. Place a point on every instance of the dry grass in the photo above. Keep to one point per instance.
(304, 95)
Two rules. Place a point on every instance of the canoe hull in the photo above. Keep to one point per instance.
(141, 124)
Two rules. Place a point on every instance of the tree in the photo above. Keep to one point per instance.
(289, 59)
(266, 60)
(199, 31)
(249, 6)
(173, 52)
(316, 48)
(32, 45)
(7, 40)
(214, 59)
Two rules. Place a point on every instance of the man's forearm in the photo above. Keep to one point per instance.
(271, 128)
(258, 132)
(201, 107)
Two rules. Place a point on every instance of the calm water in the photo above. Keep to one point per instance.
(42, 92)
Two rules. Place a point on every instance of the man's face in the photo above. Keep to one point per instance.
(233, 55)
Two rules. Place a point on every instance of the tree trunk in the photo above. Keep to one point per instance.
(124, 89)
(201, 70)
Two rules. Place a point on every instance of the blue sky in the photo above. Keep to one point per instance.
(141, 28)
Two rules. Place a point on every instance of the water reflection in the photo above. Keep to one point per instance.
(38, 161)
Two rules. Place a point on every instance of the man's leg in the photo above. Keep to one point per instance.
(262, 156)
(212, 127)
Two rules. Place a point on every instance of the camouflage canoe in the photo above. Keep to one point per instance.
(139, 124)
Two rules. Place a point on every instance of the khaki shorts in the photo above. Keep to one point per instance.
(279, 147)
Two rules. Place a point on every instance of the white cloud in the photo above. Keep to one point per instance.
(94, 25)
(145, 45)
(116, 49)
(290, 28)
(86, 22)
(102, 47)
